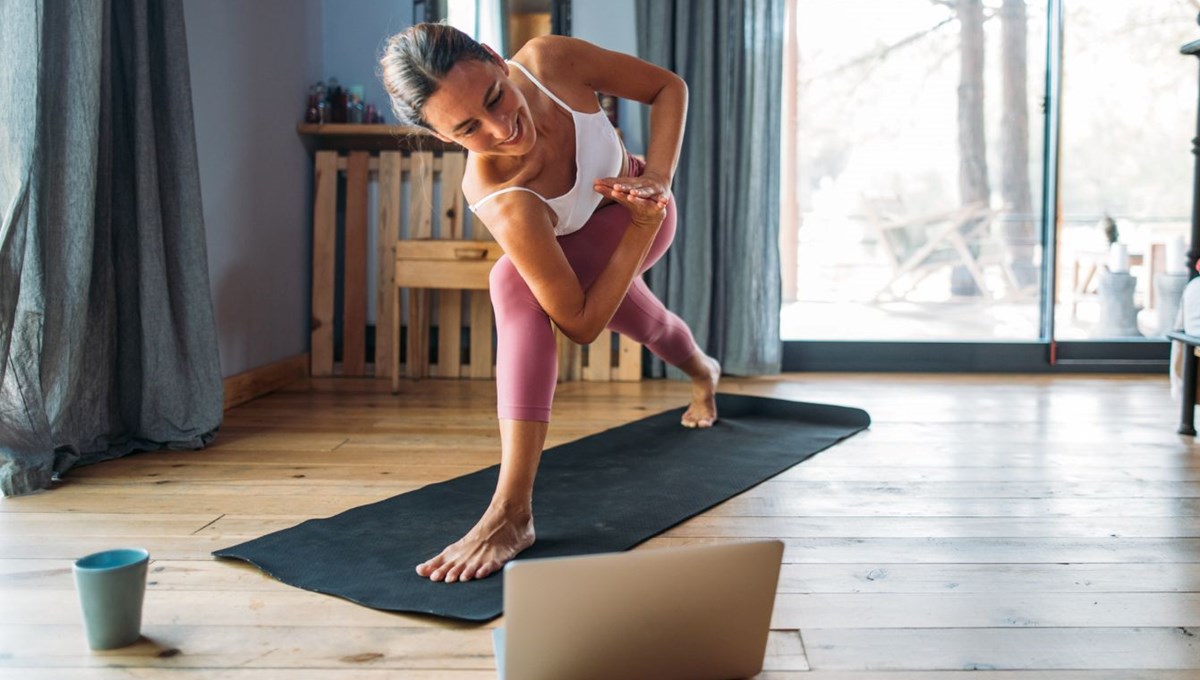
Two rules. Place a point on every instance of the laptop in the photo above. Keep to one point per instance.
(691, 613)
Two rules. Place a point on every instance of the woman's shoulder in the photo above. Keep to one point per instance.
(555, 61)
(480, 179)
(547, 50)
(553, 58)
(483, 177)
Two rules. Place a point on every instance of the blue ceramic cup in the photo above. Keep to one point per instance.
(112, 586)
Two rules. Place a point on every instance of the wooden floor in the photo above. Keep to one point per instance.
(1025, 527)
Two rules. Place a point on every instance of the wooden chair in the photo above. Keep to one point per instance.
(449, 266)
(452, 267)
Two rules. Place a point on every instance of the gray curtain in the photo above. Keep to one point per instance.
(722, 274)
(107, 339)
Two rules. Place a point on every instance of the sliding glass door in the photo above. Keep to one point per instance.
(959, 168)
(1129, 113)
(918, 171)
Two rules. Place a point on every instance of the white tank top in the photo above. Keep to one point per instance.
(598, 154)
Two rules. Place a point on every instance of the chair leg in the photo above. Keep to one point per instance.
(395, 358)
(1187, 420)
(968, 260)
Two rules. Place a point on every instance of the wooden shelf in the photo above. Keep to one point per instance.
(362, 137)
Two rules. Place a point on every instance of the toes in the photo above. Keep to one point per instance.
(482, 571)
(426, 568)
(693, 422)
(460, 572)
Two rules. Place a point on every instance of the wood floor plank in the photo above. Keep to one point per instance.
(968, 649)
(981, 489)
(202, 574)
(1102, 577)
(285, 607)
(755, 504)
(785, 652)
(282, 648)
(725, 526)
(231, 474)
(142, 673)
(972, 550)
(970, 473)
(986, 610)
(1123, 674)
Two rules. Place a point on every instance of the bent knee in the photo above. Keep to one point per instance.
(508, 290)
(505, 282)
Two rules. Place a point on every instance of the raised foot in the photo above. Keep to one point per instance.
(497, 538)
(702, 412)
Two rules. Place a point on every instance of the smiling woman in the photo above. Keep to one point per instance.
(579, 221)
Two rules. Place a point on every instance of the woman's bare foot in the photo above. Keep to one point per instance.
(497, 538)
(705, 372)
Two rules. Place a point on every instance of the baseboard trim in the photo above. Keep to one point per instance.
(256, 382)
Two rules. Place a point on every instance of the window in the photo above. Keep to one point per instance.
(915, 183)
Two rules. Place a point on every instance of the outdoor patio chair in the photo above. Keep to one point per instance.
(917, 248)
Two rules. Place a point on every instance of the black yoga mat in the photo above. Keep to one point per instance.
(603, 493)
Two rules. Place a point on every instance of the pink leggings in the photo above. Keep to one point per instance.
(527, 357)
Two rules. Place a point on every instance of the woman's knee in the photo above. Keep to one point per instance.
(505, 282)
(509, 292)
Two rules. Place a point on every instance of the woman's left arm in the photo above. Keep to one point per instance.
(619, 74)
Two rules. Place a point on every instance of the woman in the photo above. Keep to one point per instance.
(534, 129)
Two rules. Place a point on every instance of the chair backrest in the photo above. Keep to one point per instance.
(921, 241)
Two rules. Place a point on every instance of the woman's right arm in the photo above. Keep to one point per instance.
(520, 222)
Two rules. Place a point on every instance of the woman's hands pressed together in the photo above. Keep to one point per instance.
(645, 196)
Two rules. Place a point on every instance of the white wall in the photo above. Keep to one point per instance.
(352, 34)
(251, 64)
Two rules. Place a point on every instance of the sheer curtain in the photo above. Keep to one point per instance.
(722, 275)
(107, 339)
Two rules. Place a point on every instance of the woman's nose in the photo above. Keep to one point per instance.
(502, 126)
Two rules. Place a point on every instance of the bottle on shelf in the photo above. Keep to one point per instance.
(322, 103)
(312, 113)
(338, 102)
(354, 110)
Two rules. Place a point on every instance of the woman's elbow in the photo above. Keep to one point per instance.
(582, 336)
(580, 331)
(682, 85)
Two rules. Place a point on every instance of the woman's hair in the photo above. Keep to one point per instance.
(416, 60)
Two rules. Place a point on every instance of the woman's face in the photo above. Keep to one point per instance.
(478, 107)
